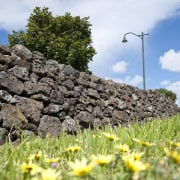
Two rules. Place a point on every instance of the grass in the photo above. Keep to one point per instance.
(53, 160)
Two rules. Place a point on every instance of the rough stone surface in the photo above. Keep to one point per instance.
(44, 97)
(49, 125)
(21, 52)
(11, 116)
(3, 134)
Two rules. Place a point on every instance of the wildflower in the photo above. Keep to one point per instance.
(123, 148)
(175, 144)
(52, 161)
(49, 174)
(144, 143)
(173, 154)
(73, 149)
(135, 165)
(111, 137)
(36, 156)
(81, 168)
(134, 155)
(30, 168)
(102, 159)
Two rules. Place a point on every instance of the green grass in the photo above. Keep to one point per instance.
(93, 142)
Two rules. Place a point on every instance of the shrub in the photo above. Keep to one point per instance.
(169, 93)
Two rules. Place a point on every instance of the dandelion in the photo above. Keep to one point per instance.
(73, 149)
(49, 174)
(30, 168)
(123, 148)
(81, 168)
(175, 144)
(144, 143)
(134, 165)
(134, 155)
(36, 156)
(173, 154)
(111, 137)
(103, 159)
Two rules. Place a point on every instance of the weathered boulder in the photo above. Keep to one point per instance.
(4, 50)
(30, 108)
(21, 52)
(49, 125)
(12, 117)
(11, 83)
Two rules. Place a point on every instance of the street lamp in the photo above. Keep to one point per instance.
(142, 38)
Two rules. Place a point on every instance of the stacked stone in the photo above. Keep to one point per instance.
(44, 97)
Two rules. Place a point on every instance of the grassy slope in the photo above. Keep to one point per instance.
(91, 142)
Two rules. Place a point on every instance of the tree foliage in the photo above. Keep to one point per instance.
(65, 38)
(168, 93)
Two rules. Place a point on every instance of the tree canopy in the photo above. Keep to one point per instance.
(169, 93)
(66, 39)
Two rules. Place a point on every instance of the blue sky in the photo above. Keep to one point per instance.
(110, 21)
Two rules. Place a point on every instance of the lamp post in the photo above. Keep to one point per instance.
(142, 38)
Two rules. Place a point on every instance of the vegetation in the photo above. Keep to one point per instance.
(168, 93)
(147, 151)
(65, 38)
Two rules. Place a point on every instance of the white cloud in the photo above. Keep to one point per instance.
(120, 67)
(175, 87)
(165, 82)
(109, 19)
(171, 60)
(134, 81)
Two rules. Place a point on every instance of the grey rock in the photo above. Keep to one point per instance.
(5, 59)
(22, 52)
(84, 119)
(56, 97)
(49, 125)
(7, 97)
(30, 108)
(4, 50)
(70, 125)
(11, 83)
(19, 72)
(69, 70)
(11, 117)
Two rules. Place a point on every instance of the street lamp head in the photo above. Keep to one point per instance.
(124, 39)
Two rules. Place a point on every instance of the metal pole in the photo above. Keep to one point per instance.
(143, 63)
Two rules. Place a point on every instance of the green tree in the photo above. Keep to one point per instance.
(168, 93)
(65, 38)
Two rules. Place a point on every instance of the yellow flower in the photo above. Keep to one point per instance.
(49, 174)
(173, 154)
(102, 159)
(36, 156)
(134, 165)
(134, 155)
(175, 144)
(123, 148)
(81, 167)
(144, 143)
(73, 149)
(30, 168)
(111, 137)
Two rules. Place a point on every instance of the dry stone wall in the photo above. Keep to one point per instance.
(41, 96)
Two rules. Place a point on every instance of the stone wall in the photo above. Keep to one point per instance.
(41, 96)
